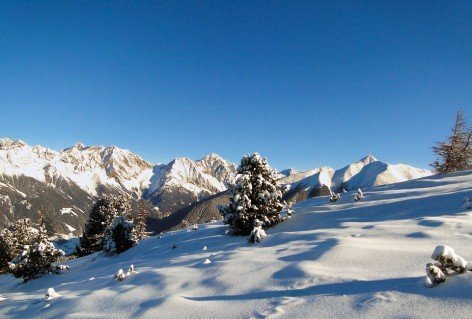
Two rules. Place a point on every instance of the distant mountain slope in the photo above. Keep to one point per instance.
(379, 173)
(367, 172)
(184, 181)
(70, 181)
(343, 175)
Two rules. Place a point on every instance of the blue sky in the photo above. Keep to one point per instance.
(305, 83)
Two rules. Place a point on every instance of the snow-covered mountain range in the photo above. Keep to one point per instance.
(365, 173)
(61, 186)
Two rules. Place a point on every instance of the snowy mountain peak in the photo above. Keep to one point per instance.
(288, 172)
(7, 143)
(368, 159)
(79, 146)
(212, 157)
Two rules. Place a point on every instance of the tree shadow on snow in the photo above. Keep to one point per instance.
(410, 285)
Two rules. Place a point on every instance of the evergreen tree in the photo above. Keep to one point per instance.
(12, 240)
(141, 221)
(456, 153)
(37, 258)
(6, 245)
(254, 196)
(100, 219)
(121, 235)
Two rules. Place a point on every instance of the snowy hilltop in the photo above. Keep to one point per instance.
(346, 259)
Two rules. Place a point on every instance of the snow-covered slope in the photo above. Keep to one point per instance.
(379, 173)
(345, 260)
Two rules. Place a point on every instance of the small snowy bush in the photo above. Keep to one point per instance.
(51, 294)
(257, 232)
(334, 197)
(120, 275)
(448, 264)
(359, 195)
(467, 203)
(255, 195)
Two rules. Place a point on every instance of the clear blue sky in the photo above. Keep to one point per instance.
(305, 83)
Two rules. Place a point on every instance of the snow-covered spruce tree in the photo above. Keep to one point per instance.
(254, 196)
(121, 235)
(100, 219)
(141, 222)
(6, 245)
(12, 240)
(37, 258)
(456, 153)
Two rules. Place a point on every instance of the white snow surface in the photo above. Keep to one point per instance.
(344, 260)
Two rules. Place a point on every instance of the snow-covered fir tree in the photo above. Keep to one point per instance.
(141, 219)
(254, 196)
(12, 240)
(37, 258)
(100, 219)
(121, 235)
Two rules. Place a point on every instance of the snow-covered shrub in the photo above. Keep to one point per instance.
(334, 197)
(195, 227)
(100, 219)
(434, 275)
(120, 275)
(359, 195)
(51, 294)
(257, 232)
(36, 259)
(288, 211)
(448, 263)
(255, 195)
(467, 203)
(448, 259)
(121, 235)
